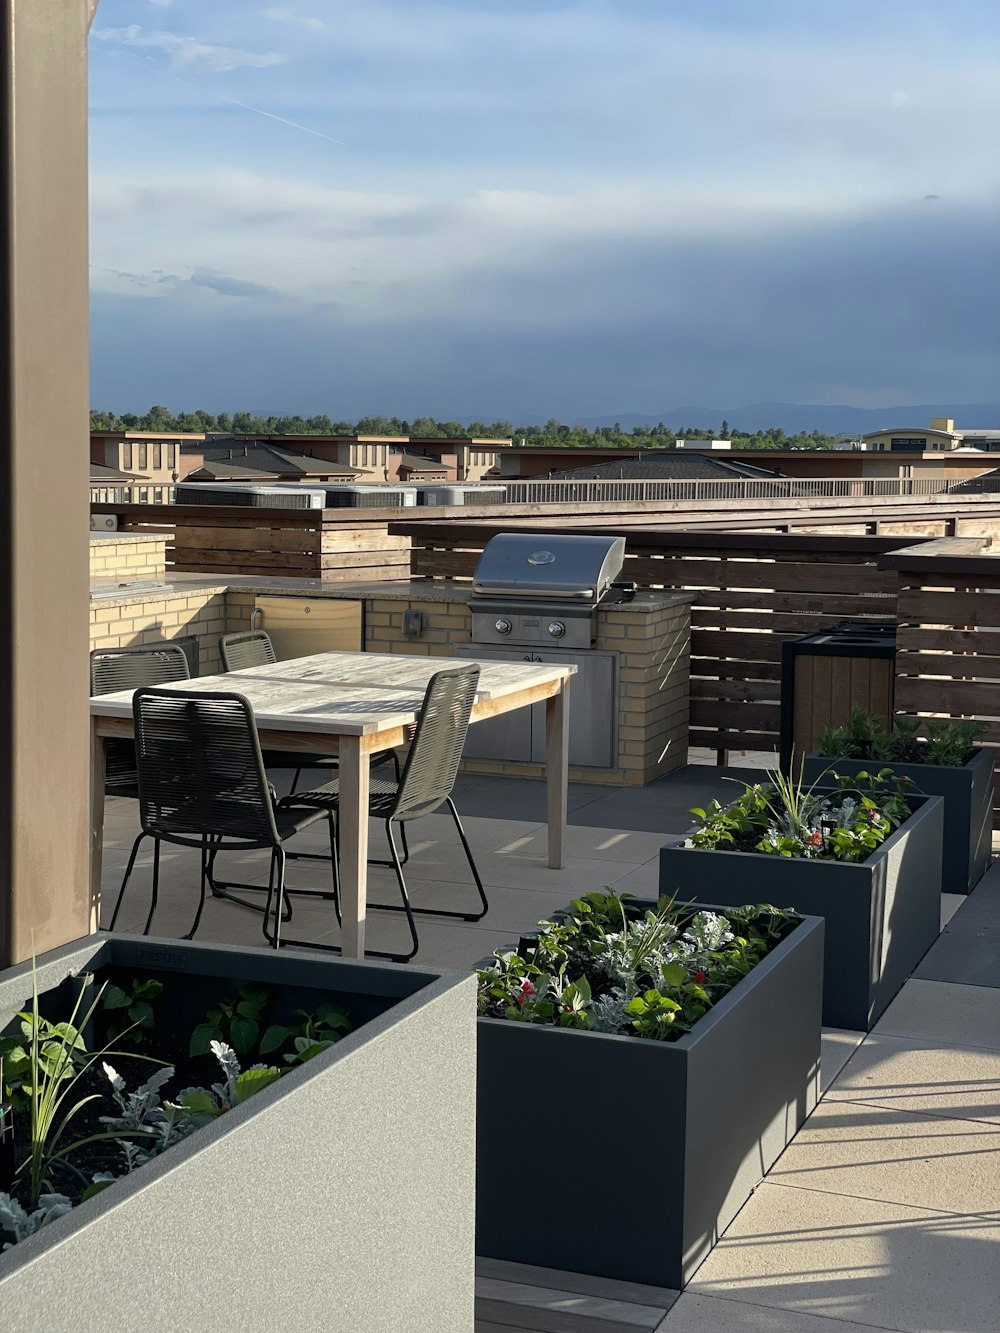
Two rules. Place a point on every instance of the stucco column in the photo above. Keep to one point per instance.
(44, 398)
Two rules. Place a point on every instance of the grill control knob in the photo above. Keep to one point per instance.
(557, 629)
(502, 626)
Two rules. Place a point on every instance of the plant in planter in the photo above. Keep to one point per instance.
(942, 759)
(786, 818)
(642, 1019)
(209, 1145)
(51, 1078)
(946, 743)
(863, 853)
(606, 966)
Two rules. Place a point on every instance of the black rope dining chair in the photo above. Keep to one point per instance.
(114, 669)
(202, 784)
(426, 784)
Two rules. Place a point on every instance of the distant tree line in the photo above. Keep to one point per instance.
(553, 433)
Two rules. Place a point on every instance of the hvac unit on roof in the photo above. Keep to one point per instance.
(253, 497)
(104, 523)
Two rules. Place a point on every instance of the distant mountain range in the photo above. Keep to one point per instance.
(794, 417)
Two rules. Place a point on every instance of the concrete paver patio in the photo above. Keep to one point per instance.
(884, 1210)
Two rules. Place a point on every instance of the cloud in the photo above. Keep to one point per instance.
(187, 54)
(239, 288)
(288, 16)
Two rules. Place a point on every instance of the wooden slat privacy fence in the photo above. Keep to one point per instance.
(753, 591)
(948, 643)
(335, 545)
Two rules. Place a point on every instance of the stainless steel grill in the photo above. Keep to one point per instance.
(537, 589)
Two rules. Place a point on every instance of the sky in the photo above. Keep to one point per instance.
(517, 209)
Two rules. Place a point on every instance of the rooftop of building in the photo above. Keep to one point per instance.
(670, 465)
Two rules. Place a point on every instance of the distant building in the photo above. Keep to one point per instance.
(155, 454)
(467, 459)
(670, 465)
(252, 461)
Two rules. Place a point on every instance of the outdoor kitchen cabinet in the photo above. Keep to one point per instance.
(519, 738)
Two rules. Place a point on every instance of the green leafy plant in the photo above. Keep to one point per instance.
(202, 1105)
(911, 741)
(133, 1015)
(234, 1022)
(311, 1035)
(786, 818)
(55, 1061)
(606, 965)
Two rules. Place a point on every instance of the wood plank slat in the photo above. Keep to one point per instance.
(777, 576)
(745, 647)
(948, 608)
(956, 665)
(748, 691)
(954, 698)
(818, 604)
(735, 715)
(714, 738)
(913, 637)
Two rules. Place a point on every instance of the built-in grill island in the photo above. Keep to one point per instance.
(560, 598)
(538, 592)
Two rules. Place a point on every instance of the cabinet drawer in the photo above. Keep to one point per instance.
(299, 626)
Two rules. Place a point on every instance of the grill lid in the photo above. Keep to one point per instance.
(518, 564)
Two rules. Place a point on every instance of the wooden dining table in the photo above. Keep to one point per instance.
(350, 705)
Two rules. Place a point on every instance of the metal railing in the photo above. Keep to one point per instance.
(741, 488)
(132, 493)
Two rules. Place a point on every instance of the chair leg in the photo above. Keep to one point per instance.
(295, 782)
(398, 867)
(406, 845)
(436, 911)
(207, 857)
(472, 864)
(335, 863)
(221, 889)
(279, 860)
(156, 885)
(128, 872)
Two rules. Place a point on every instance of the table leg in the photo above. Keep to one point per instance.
(353, 838)
(98, 778)
(557, 771)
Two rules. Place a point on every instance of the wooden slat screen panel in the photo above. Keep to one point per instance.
(948, 659)
(753, 591)
(335, 545)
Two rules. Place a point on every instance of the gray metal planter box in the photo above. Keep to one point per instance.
(339, 1198)
(968, 808)
(626, 1158)
(882, 915)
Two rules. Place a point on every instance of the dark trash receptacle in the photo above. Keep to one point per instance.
(827, 674)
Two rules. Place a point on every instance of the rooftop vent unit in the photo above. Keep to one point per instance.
(371, 497)
(250, 497)
(442, 494)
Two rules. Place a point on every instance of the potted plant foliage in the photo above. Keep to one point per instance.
(247, 1139)
(670, 1045)
(940, 758)
(864, 854)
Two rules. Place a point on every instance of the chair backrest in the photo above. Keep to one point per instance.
(113, 669)
(250, 648)
(432, 764)
(200, 767)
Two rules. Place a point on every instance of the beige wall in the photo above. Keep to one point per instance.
(44, 400)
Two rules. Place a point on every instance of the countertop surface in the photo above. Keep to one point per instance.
(421, 590)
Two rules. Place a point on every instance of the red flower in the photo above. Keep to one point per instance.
(526, 989)
(815, 838)
(700, 976)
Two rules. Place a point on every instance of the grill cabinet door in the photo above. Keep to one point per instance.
(519, 737)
